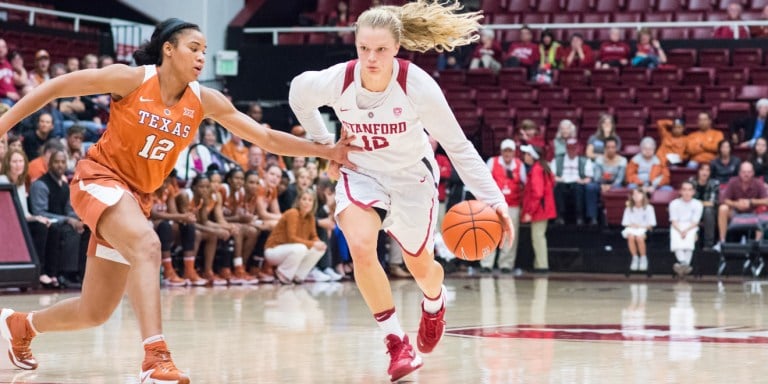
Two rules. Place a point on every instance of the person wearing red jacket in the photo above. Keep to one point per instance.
(509, 174)
(728, 31)
(578, 54)
(538, 203)
(523, 53)
(614, 52)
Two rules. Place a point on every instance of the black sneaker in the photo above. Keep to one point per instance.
(506, 271)
(485, 270)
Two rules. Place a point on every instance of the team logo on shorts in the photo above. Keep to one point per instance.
(397, 111)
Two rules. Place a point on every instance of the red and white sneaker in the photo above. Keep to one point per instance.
(431, 329)
(403, 360)
(158, 368)
(18, 333)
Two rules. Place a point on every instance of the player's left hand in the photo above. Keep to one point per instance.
(342, 148)
(506, 226)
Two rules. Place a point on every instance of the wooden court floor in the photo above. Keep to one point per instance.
(500, 331)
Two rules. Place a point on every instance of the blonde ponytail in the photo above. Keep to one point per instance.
(423, 25)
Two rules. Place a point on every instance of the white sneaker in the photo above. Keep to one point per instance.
(643, 264)
(635, 263)
(717, 247)
(332, 274)
(317, 276)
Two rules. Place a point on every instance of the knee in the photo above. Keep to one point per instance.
(145, 248)
(723, 210)
(94, 316)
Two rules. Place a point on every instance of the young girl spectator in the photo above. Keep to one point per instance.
(725, 165)
(649, 52)
(538, 203)
(293, 246)
(759, 158)
(596, 143)
(638, 219)
(684, 217)
(673, 141)
(614, 52)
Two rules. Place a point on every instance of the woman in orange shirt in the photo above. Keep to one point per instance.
(673, 141)
(155, 112)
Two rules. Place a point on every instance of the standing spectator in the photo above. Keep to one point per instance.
(523, 53)
(752, 128)
(530, 134)
(728, 31)
(39, 166)
(759, 159)
(509, 174)
(684, 217)
(488, 53)
(610, 167)
(90, 61)
(614, 52)
(41, 72)
(606, 128)
(73, 64)
(707, 190)
(8, 93)
(49, 197)
(573, 176)
(20, 75)
(538, 203)
(236, 150)
(743, 194)
(645, 171)
(35, 139)
(639, 218)
(566, 130)
(761, 31)
(702, 145)
(725, 165)
(293, 246)
(73, 147)
(673, 141)
(649, 52)
(578, 54)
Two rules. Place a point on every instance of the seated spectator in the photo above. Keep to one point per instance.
(297, 163)
(267, 206)
(645, 171)
(82, 111)
(14, 142)
(39, 166)
(341, 18)
(456, 59)
(573, 183)
(105, 60)
(746, 131)
(684, 217)
(639, 218)
(90, 61)
(488, 53)
(256, 113)
(702, 144)
(303, 182)
(73, 64)
(15, 165)
(530, 134)
(673, 141)
(20, 75)
(34, 140)
(41, 72)
(73, 147)
(200, 200)
(220, 135)
(605, 128)
(728, 31)
(195, 160)
(759, 159)
(293, 246)
(208, 138)
(743, 194)
(614, 52)
(549, 51)
(252, 187)
(57, 70)
(236, 150)
(256, 160)
(3, 149)
(610, 167)
(49, 197)
(649, 52)
(566, 130)
(760, 31)
(707, 190)
(314, 172)
(577, 54)
(8, 92)
(523, 53)
(725, 165)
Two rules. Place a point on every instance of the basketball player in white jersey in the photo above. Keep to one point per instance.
(388, 103)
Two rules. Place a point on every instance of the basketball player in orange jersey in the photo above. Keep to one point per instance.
(388, 103)
(155, 112)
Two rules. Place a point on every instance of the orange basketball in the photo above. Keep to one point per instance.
(472, 230)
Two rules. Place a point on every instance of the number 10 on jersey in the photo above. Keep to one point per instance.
(372, 143)
(156, 152)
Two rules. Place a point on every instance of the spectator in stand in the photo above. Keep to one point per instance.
(728, 31)
(747, 131)
(294, 246)
(208, 138)
(297, 163)
(743, 194)
(236, 150)
(256, 113)
(201, 201)
(325, 221)
(35, 139)
(702, 145)
(523, 53)
(294, 189)
(684, 218)
(41, 72)
(610, 167)
(674, 143)
(605, 128)
(73, 64)
(14, 142)
(49, 197)
(3, 149)
(573, 184)
(267, 207)
(39, 165)
(90, 61)
(614, 52)
(509, 173)
(577, 54)
(253, 189)
(105, 60)
(220, 135)
(488, 53)
(549, 51)
(20, 75)
(81, 110)
(645, 171)
(57, 70)
(725, 165)
(566, 130)
(759, 159)
(649, 52)
(8, 92)
(530, 134)
(256, 160)
(456, 59)
(639, 218)
(761, 31)
(341, 18)
(707, 190)
(164, 218)
(15, 167)
(538, 203)
(314, 173)
(73, 147)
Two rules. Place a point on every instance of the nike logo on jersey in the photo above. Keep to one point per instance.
(144, 100)
(423, 179)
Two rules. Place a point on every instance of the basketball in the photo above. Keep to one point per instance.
(472, 230)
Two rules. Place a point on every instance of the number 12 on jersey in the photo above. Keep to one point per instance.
(156, 152)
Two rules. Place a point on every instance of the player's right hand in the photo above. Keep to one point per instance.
(342, 148)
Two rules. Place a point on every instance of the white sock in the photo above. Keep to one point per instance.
(153, 339)
(687, 255)
(388, 323)
(31, 324)
(680, 255)
(434, 305)
(237, 261)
